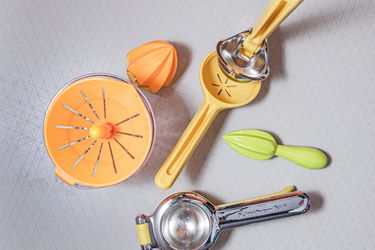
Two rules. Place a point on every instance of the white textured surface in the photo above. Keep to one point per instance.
(321, 93)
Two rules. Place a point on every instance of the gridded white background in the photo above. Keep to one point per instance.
(321, 93)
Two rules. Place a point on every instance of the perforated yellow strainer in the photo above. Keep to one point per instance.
(98, 131)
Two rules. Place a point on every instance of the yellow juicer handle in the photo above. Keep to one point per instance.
(285, 190)
(275, 13)
(185, 146)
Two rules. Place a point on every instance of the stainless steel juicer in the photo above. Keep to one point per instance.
(188, 220)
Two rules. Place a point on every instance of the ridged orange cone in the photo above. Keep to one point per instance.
(152, 65)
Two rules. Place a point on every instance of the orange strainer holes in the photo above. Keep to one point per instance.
(98, 131)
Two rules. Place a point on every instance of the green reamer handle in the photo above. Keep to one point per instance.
(306, 157)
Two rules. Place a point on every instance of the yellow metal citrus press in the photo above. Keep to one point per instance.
(227, 82)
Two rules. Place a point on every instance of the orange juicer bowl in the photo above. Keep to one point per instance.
(98, 131)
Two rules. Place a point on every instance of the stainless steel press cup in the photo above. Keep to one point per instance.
(244, 56)
(239, 66)
(188, 220)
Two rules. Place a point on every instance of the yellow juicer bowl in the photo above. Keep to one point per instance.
(98, 131)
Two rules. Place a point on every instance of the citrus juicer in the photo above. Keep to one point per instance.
(98, 131)
(188, 220)
(244, 57)
(261, 145)
(152, 65)
(221, 91)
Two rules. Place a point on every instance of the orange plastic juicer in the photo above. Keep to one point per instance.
(98, 131)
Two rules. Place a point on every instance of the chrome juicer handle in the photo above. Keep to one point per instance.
(262, 209)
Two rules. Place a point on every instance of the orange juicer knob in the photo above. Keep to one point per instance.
(101, 131)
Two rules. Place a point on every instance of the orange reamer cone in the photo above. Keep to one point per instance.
(152, 65)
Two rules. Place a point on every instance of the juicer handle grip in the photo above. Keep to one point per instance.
(306, 157)
(261, 209)
(275, 13)
(186, 145)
